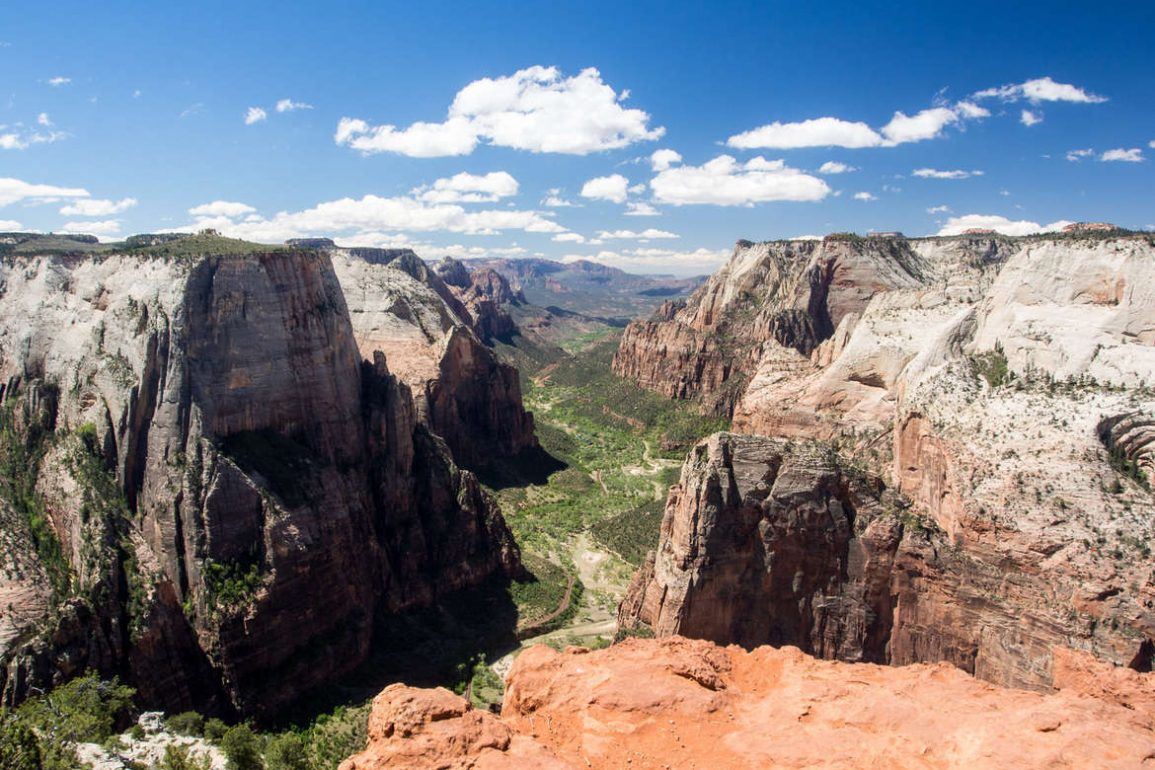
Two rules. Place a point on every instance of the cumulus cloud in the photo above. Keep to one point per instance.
(927, 124)
(96, 207)
(661, 160)
(938, 209)
(865, 196)
(1134, 155)
(107, 227)
(971, 110)
(288, 105)
(21, 137)
(1077, 155)
(640, 209)
(230, 209)
(933, 173)
(834, 167)
(58, 81)
(18, 191)
(10, 225)
(568, 238)
(817, 132)
(365, 216)
(613, 188)
(1041, 90)
(656, 260)
(724, 181)
(553, 199)
(536, 109)
(469, 188)
(255, 115)
(959, 225)
(1030, 117)
(647, 234)
(43, 120)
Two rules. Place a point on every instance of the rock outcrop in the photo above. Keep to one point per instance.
(236, 492)
(1004, 403)
(656, 704)
(430, 337)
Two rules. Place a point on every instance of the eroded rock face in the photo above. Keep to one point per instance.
(278, 492)
(682, 703)
(786, 294)
(462, 392)
(1007, 398)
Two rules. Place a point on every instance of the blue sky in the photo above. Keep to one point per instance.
(130, 117)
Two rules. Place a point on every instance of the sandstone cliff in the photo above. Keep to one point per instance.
(430, 337)
(236, 493)
(1005, 398)
(688, 704)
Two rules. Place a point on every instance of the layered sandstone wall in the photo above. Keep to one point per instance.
(277, 491)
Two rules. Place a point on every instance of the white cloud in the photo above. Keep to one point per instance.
(105, 227)
(10, 225)
(724, 181)
(43, 120)
(661, 160)
(568, 238)
(932, 173)
(817, 132)
(469, 188)
(958, 225)
(535, 109)
(1151, 144)
(1041, 90)
(96, 207)
(288, 105)
(647, 234)
(16, 191)
(640, 209)
(938, 209)
(58, 81)
(835, 132)
(971, 110)
(834, 167)
(1134, 155)
(1077, 155)
(230, 209)
(553, 199)
(19, 137)
(370, 215)
(614, 188)
(254, 115)
(1030, 118)
(927, 124)
(865, 196)
(655, 260)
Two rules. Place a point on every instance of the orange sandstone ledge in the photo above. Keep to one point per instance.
(681, 703)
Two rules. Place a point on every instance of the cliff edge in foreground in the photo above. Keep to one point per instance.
(689, 704)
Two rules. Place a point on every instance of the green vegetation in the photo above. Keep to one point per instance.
(992, 366)
(631, 535)
(181, 758)
(242, 748)
(1129, 467)
(622, 446)
(229, 585)
(204, 243)
(540, 600)
(42, 733)
(186, 723)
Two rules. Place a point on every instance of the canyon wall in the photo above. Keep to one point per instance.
(236, 492)
(1002, 404)
(434, 343)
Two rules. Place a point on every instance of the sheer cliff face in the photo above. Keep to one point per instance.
(1005, 403)
(462, 392)
(277, 492)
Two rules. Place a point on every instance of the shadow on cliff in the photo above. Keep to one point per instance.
(532, 465)
(434, 646)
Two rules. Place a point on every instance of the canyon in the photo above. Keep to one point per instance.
(944, 452)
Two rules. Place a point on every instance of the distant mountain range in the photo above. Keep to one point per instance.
(589, 288)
